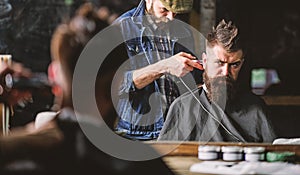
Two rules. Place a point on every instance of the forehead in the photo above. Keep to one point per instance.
(158, 3)
(217, 52)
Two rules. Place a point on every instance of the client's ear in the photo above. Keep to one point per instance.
(204, 59)
(148, 4)
(54, 77)
(52, 71)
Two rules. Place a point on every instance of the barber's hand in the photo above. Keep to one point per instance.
(13, 96)
(181, 64)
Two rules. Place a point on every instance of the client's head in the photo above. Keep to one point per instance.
(68, 41)
(222, 62)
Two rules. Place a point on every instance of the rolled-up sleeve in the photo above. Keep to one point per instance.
(127, 84)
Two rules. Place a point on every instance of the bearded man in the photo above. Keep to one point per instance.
(218, 111)
(160, 49)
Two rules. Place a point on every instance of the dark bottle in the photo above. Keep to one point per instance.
(36, 81)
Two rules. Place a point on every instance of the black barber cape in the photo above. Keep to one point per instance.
(244, 121)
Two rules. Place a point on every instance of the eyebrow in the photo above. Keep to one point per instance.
(238, 61)
(164, 9)
(232, 62)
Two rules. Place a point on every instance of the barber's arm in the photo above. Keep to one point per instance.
(177, 65)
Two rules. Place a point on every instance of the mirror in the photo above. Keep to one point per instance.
(272, 28)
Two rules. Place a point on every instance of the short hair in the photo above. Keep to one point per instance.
(69, 39)
(226, 35)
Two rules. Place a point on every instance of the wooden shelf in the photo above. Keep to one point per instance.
(282, 100)
(176, 148)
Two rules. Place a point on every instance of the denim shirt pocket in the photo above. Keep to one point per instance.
(133, 47)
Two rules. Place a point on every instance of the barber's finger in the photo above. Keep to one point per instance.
(20, 70)
(195, 64)
(187, 55)
(4, 69)
(189, 68)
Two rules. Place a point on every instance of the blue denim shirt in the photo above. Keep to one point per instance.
(140, 111)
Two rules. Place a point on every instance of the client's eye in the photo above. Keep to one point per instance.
(236, 64)
(163, 10)
(220, 63)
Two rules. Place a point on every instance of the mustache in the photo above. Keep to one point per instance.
(228, 80)
(221, 88)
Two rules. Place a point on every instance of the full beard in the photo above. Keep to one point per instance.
(221, 90)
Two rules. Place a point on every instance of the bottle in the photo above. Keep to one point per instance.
(36, 81)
